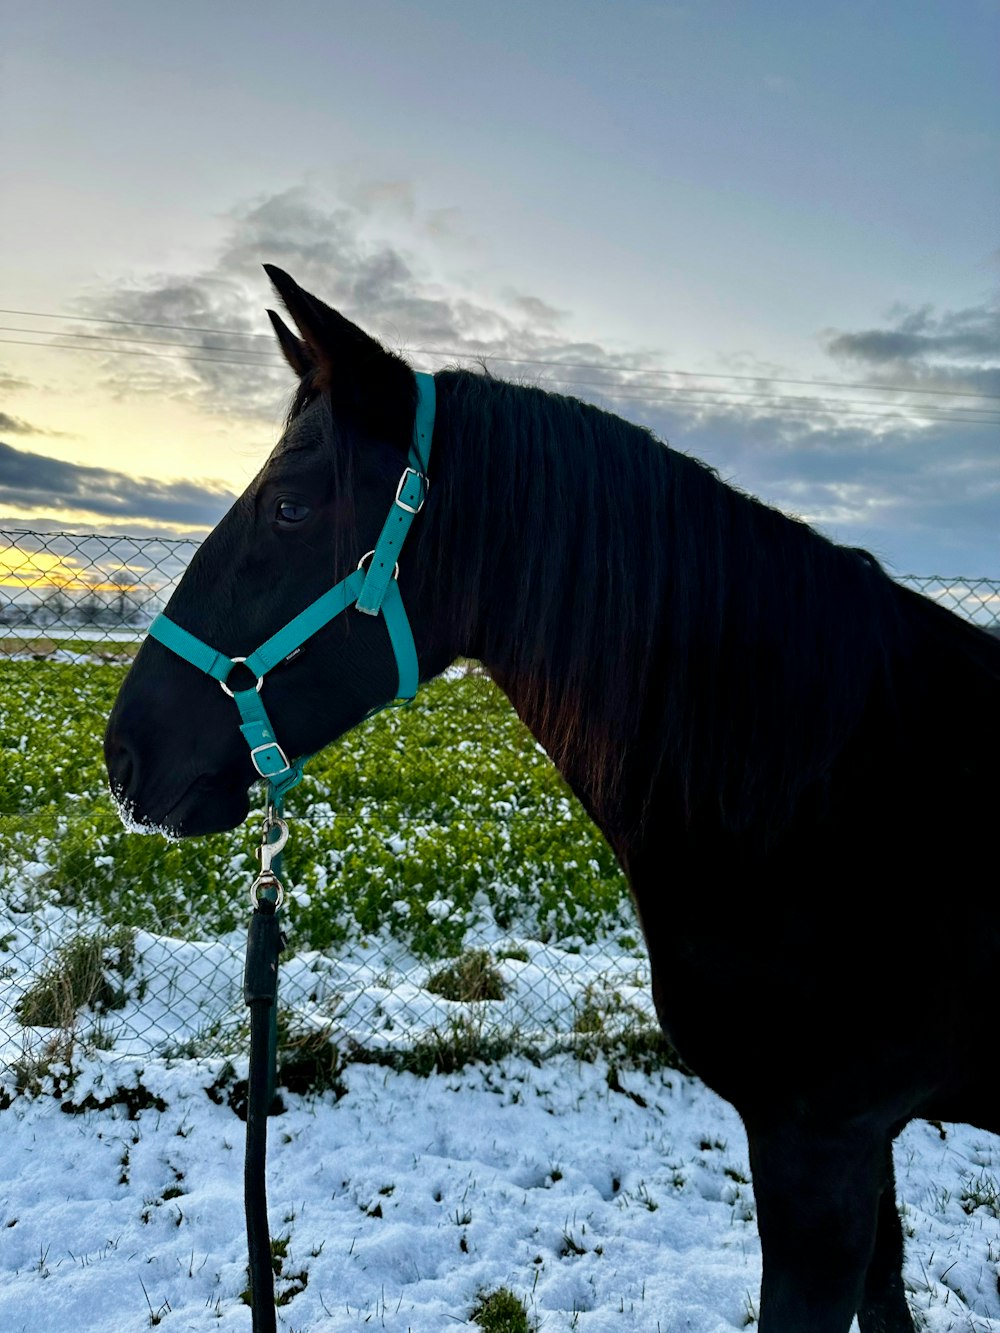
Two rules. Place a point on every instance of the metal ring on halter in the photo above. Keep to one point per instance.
(361, 565)
(225, 687)
(267, 880)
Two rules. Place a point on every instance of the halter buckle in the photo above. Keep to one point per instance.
(266, 767)
(424, 488)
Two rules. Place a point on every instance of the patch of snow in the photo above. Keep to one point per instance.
(404, 1199)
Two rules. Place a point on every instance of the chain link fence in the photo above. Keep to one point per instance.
(63, 592)
(61, 587)
(72, 976)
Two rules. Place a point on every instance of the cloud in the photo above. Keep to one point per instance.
(911, 474)
(924, 498)
(955, 350)
(30, 480)
(15, 426)
(330, 249)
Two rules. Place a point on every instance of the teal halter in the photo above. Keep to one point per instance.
(373, 591)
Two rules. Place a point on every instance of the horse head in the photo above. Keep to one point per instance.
(175, 754)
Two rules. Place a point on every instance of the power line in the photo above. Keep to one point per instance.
(144, 342)
(527, 361)
(124, 351)
(654, 394)
(830, 407)
(775, 404)
(613, 388)
(705, 374)
(136, 323)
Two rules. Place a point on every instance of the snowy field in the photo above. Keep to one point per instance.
(608, 1200)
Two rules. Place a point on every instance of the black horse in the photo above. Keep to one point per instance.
(794, 758)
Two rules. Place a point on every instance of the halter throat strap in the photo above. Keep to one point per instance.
(372, 588)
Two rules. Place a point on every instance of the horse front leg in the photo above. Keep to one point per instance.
(819, 1192)
(883, 1307)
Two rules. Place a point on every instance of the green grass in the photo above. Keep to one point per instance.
(471, 976)
(420, 823)
(501, 1311)
(87, 971)
(41, 645)
(982, 1192)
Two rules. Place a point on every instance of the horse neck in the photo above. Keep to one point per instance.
(669, 641)
(539, 536)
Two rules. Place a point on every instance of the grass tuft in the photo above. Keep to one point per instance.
(470, 977)
(501, 1311)
(309, 1059)
(86, 972)
(983, 1192)
(48, 1069)
(445, 1050)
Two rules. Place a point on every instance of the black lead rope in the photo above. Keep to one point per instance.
(260, 989)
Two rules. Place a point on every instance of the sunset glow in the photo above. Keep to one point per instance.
(41, 570)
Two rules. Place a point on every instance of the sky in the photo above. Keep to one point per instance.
(769, 232)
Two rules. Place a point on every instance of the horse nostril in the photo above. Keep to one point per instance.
(120, 764)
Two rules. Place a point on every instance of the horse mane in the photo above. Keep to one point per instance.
(651, 623)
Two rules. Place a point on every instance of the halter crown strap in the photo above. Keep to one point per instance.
(410, 496)
(373, 591)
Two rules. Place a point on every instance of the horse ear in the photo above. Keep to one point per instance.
(362, 377)
(296, 352)
(337, 347)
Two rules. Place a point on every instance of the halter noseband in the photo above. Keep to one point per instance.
(373, 591)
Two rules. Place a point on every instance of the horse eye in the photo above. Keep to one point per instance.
(289, 511)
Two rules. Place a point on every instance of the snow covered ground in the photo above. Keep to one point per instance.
(610, 1201)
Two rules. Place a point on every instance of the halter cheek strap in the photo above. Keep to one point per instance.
(373, 590)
